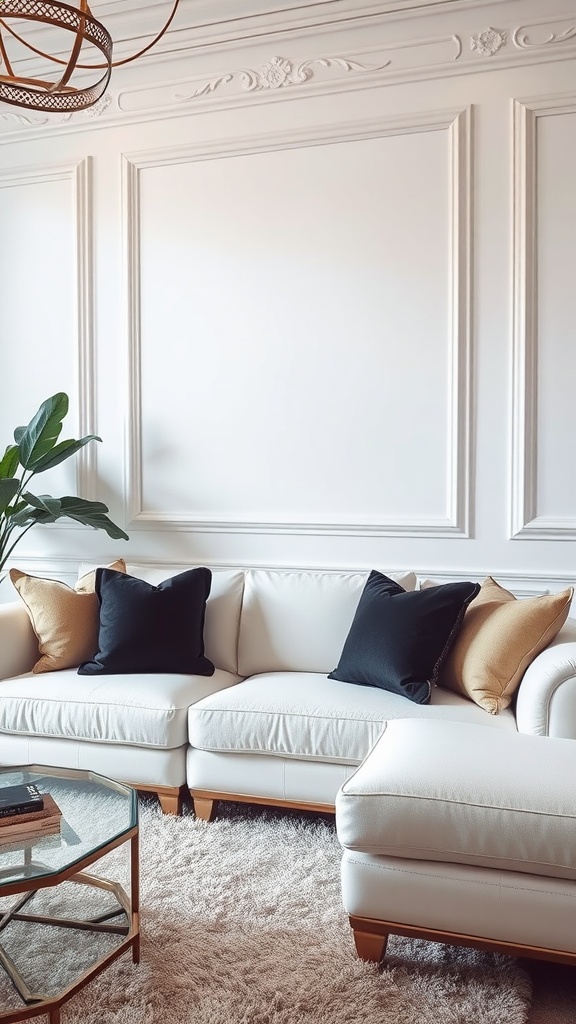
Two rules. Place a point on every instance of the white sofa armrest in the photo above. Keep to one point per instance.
(546, 702)
(18, 642)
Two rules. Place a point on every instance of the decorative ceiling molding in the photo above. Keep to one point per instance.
(488, 42)
(31, 118)
(521, 40)
(229, 24)
(279, 75)
(323, 74)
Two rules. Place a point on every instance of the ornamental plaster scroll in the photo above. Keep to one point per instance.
(278, 73)
(98, 108)
(520, 37)
(488, 42)
(32, 118)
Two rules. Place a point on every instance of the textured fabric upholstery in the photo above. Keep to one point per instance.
(507, 906)
(297, 621)
(286, 733)
(146, 766)
(270, 778)
(398, 639)
(148, 710)
(546, 702)
(455, 830)
(303, 714)
(443, 791)
(64, 619)
(145, 629)
(222, 609)
(499, 638)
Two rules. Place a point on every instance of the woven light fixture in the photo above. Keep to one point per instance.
(68, 91)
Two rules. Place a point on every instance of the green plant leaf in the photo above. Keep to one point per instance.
(11, 510)
(61, 452)
(99, 521)
(73, 506)
(33, 515)
(8, 489)
(36, 450)
(10, 461)
(45, 502)
(44, 428)
(91, 513)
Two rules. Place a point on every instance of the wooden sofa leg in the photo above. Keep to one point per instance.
(370, 946)
(170, 801)
(204, 808)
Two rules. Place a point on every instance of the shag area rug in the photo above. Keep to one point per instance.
(242, 923)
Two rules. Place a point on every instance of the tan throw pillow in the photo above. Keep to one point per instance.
(499, 637)
(65, 619)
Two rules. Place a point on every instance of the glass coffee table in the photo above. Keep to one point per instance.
(98, 815)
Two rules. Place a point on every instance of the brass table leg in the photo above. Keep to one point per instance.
(135, 896)
(128, 905)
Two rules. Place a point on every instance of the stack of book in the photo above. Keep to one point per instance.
(26, 813)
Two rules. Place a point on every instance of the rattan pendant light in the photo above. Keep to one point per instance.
(69, 90)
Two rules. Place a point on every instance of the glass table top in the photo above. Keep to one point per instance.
(95, 811)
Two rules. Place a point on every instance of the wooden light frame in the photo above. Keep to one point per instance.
(62, 95)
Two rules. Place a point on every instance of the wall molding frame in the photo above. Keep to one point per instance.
(79, 176)
(525, 523)
(521, 584)
(455, 523)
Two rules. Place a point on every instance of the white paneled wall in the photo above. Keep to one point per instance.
(310, 275)
(545, 222)
(45, 299)
(294, 266)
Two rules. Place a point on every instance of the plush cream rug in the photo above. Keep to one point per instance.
(243, 924)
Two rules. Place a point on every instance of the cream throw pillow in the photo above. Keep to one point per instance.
(499, 637)
(65, 619)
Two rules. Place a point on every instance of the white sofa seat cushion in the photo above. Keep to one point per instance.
(444, 791)
(298, 620)
(307, 715)
(146, 710)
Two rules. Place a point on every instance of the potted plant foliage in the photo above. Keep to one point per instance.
(36, 448)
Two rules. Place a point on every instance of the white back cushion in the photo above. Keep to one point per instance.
(222, 609)
(297, 621)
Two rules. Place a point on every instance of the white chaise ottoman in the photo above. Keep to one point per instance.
(462, 834)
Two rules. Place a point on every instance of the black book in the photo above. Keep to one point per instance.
(20, 800)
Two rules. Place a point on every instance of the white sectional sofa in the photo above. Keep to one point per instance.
(269, 725)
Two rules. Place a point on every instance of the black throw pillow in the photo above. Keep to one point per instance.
(399, 639)
(151, 629)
